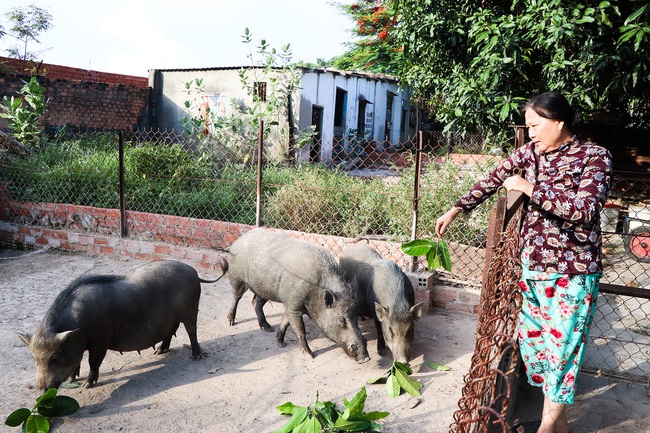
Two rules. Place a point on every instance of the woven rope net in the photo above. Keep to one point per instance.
(489, 386)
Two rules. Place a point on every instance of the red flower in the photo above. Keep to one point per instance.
(523, 286)
(562, 283)
(550, 291)
(534, 333)
(537, 378)
(556, 333)
(382, 34)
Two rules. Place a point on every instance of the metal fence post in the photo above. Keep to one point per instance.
(416, 192)
(121, 174)
(260, 158)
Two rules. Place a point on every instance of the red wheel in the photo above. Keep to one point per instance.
(637, 244)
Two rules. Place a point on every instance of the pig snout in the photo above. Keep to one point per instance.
(45, 380)
(357, 348)
(359, 354)
(57, 358)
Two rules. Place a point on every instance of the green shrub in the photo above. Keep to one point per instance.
(167, 179)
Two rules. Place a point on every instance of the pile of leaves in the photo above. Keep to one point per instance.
(326, 416)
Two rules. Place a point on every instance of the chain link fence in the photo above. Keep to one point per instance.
(373, 190)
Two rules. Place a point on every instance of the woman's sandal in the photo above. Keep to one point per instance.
(526, 427)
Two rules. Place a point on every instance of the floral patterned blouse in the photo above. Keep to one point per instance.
(561, 229)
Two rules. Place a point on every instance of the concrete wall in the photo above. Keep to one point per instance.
(318, 87)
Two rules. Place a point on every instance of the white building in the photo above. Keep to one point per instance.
(340, 107)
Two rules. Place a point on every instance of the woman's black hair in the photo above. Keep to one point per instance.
(554, 106)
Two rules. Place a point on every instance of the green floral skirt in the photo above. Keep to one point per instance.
(553, 326)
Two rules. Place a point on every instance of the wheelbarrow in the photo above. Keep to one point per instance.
(636, 238)
(635, 228)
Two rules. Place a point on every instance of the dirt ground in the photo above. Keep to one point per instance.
(244, 375)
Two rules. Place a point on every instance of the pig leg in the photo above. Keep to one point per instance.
(298, 325)
(190, 327)
(95, 358)
(258, 303)
(239, 287)
(74, 374)
(381, 342)
(164, 346)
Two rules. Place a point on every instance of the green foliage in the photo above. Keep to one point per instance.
(24, 114)
(172, 180)
(233, 132)
(475, 63)
(48, 405)
(436, 252)
(319, 200)
(375, 50)
(326, 417)
(437, 367)
(26, 23)
(397, 379)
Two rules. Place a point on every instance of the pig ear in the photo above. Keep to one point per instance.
(381, 312)
(329, 298)
(67, 336)
(25, 338)
(416, 310)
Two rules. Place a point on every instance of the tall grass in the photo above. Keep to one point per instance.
(167, 179)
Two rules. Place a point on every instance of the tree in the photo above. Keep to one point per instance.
(26, 25)
(376, 50)
(474, 63)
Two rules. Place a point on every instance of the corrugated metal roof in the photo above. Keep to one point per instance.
(358, 74)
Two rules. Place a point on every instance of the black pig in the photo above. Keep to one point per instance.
(123, 313)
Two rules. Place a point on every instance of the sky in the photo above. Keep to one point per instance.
(133, 36)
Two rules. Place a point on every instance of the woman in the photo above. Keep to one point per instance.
(567, 181)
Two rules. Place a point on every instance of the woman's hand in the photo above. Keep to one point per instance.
(518, 183)
(443, 222)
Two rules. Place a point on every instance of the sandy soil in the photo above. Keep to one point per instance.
(244, 375)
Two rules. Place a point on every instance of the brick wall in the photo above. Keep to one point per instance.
(80, 98)
(12, 66)
(197, 242)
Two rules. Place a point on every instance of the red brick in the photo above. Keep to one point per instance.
(86, 239)
(205, 266)
(108, 251)
(185, 222)
(199, 234)
(155, 218)
(162, 249)
(202, 224)
(443, 293)
(194, 243)
(113, 214)
(172, 221)
(183, 232)
(143, 256)
(140, 216)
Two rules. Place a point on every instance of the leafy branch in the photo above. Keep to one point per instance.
(436, 252)
(397, 379)
(324, 416)
(47, 406)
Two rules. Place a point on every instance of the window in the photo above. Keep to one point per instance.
(259, 87)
